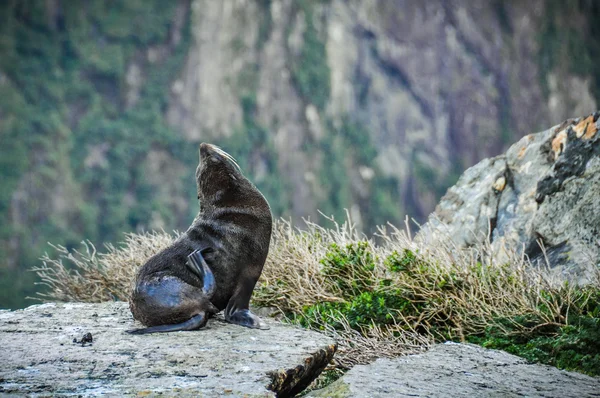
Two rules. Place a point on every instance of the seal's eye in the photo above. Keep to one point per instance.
(219, 195)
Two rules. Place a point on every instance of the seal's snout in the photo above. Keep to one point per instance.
(205, 149)
(208, 151)
(213, 152)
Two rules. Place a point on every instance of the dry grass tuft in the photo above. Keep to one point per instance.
(88, 276)
(461, 284)
(292, 277)
(451, 293)
(363, 346)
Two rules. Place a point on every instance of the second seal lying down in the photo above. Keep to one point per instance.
(216, 263)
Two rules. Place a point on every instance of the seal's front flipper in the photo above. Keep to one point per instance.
(197, 265)
(245, 318)
(195, 322)
(237, 311)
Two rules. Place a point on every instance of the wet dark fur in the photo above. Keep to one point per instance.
(232, 232)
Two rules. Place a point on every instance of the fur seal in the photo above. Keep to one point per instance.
(216, 263)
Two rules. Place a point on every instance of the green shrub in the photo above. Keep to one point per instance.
(573, 345)
(350, 268)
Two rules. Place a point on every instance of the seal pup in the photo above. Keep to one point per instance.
(216, 263)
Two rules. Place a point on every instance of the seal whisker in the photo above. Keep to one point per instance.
(227, 156)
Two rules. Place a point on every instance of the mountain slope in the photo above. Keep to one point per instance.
(373, 106)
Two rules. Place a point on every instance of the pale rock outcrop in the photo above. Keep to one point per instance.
(539, 199)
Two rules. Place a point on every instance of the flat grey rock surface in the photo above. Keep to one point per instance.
(460, 370)
(39, 358)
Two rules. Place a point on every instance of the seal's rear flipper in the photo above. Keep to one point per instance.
(197, 265)
(195, 322)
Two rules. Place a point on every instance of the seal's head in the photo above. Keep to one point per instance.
(218, 175)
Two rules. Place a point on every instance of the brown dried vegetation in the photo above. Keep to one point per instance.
(383, 296)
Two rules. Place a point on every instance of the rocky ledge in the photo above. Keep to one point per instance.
(82, 349)
(460, 370)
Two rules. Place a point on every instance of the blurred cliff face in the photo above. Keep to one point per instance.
(371, 106)
(433, 88)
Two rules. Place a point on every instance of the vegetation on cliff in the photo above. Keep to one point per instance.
(73, 148)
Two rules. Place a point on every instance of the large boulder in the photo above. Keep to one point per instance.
(541, 199)
(459, 370)
(43, 354)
